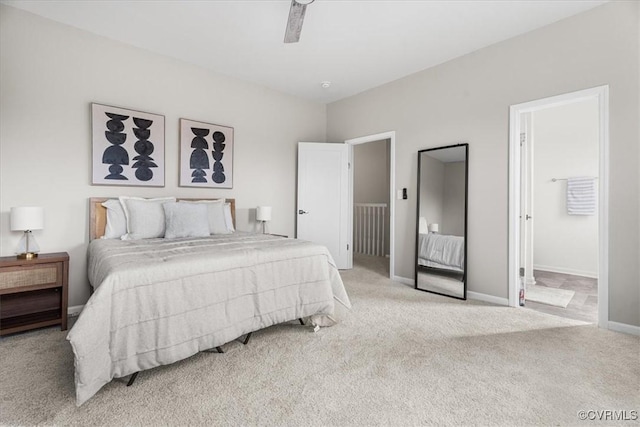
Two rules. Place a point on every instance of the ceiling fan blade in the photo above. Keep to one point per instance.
(294, 23)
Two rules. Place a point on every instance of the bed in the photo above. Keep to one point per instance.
(158, 301)
(443, 252)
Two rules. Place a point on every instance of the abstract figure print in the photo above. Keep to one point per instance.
(206, 155)
(123, 144)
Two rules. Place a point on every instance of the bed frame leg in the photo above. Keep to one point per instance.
(301, 321)
(218, 349)
(246, 339)
(132, 378)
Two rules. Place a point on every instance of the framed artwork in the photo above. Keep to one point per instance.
(128, 147)
(206, 155)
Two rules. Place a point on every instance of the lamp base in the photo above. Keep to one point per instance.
(27, 246)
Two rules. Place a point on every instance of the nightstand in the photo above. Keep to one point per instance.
(34, 292)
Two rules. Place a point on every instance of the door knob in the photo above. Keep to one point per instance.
(301, 212)
(527, 217)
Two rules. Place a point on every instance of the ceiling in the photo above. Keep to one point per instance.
(356, 45)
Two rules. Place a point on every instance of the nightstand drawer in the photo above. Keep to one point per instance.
(43, 300)
(15, 277)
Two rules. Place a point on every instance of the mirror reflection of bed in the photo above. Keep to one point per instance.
(442, 277)
(442, 219)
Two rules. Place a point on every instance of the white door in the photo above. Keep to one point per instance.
(323, 198)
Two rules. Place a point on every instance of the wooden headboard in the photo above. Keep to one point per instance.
(98, 215)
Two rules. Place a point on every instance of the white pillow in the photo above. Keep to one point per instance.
(215, 213)
(228, 219)
(145, 217)
(116, 221)
(185, 220)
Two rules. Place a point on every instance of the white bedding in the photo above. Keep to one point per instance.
(441, 251)
(157, 301)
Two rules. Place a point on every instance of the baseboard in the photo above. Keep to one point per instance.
(472, 295)
(624, 328)
(74, 310)
(487, 298)
(404, 280)
(570, 271)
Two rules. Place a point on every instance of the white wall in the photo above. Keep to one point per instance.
(442, 191)
(431, 189)
(565, 144)
(453, 199)
(468, 99)
(49, 75)
(371, 172)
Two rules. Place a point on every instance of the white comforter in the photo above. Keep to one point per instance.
(158, 301)
(441, 251)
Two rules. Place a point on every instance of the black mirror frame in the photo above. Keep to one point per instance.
(466, 211)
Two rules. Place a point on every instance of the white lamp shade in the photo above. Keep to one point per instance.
(263, 213)
(434, 228)
(27, 218)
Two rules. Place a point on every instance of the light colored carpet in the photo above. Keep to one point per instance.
(401, 357)
(549, 296)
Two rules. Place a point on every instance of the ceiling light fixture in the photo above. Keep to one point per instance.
(325, 84)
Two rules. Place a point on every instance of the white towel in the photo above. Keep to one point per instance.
(581, 195)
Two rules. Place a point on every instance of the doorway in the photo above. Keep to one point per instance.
(544, 214)
(372, 183)
(559, 237)
(370, 164)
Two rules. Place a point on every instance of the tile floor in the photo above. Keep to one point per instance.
(584, 304)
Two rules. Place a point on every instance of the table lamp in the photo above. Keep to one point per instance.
(263, 214)
(433, 228)
(26, 219)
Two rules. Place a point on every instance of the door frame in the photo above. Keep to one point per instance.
(601, 94)
(391, 136)
(527, 185)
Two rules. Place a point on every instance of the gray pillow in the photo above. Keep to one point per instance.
(185, 220)
(145, 217)
(215, 213)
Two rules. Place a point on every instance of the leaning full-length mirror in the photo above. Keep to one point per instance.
(441, 240)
